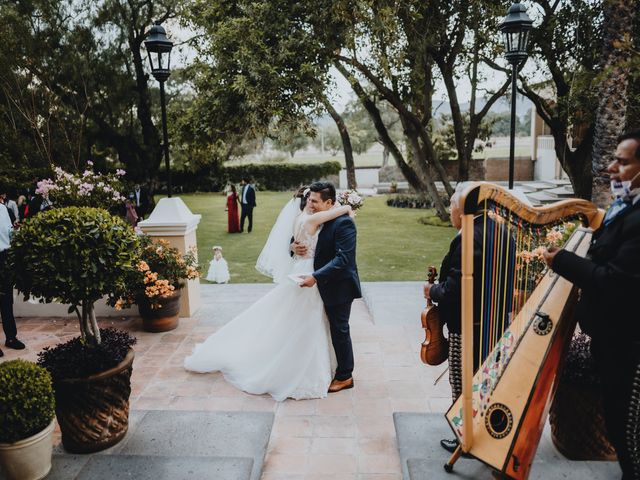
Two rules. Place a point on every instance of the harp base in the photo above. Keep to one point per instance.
(448, 467)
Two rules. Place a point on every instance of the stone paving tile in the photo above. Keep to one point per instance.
(348, 435)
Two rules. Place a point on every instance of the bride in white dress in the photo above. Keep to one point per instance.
(280, 345)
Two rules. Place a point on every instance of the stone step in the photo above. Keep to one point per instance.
(418, 438)
(538, 185)
(177, 445)
(560, 192)
(542, 197)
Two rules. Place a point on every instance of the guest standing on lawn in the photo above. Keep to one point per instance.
(247, 204)
(232, 211)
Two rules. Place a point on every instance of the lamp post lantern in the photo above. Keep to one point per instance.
(515, 30)
(159, 50)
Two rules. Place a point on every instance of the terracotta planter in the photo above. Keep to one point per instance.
(577, 423)
(160, 319)
(28, 459)
(93, 412)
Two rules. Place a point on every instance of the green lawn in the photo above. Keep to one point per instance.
(392, 244)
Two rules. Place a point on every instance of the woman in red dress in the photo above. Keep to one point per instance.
(232, 209)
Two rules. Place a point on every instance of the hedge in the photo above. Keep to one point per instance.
(266, 176)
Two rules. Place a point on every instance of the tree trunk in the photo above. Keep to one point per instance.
(415, 179)
(385, 156)
(150, 135)
(346, 144)
(612, 108)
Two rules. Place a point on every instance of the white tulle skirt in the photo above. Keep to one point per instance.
(281, 345)
(218, 271)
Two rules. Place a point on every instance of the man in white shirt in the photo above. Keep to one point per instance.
(6, 289)
(247, 203)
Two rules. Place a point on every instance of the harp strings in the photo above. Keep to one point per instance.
(511, 268)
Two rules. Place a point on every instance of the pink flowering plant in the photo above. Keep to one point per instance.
(159, 272)
(89, 189)
(352, 198)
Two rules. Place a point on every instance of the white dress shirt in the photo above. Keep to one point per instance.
(5, 228)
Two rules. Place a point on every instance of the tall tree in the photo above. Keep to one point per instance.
(85, 58)
(611, 117)
(565, 49)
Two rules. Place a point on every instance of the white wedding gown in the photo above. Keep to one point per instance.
(281, 344)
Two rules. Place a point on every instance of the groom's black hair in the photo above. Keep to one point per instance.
(326, 190)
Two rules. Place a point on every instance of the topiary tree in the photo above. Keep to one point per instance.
(27, 403)
(74, 256)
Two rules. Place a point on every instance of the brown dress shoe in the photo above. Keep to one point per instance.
(337, 385)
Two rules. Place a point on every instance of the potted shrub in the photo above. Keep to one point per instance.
(156, 282)
(78, 256)
(576, 418)
(27, 420)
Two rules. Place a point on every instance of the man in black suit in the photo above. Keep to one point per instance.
(141, 200)
(447, 293)
(609, 279)
(336, 275)
(247, 204)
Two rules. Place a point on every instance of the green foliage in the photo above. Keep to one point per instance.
(291, 141)
(74, 84)
(266, 176)
(27, 403)
(500, 124)
(262, 66)
(284, 176)
(74, 256)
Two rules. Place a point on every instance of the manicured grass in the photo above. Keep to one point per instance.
(392, 244)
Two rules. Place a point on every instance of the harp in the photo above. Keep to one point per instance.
(516, 322)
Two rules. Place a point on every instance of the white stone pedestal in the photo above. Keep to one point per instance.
(172, 221)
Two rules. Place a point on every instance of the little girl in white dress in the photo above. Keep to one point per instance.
(218, 268)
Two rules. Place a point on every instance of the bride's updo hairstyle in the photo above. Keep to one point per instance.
(326, 190)
(302, 194)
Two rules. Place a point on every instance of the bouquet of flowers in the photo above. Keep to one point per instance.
(533, 260)
(159, 272)
(89, 189)
(352, 198)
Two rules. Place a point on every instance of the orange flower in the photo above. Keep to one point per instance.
(143, 266)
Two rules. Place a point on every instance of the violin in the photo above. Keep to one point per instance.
(435, 348)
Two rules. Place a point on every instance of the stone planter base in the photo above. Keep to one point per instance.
(28, 459)
(160, 319)
(93, 412)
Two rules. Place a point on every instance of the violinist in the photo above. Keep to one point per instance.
(447, 294)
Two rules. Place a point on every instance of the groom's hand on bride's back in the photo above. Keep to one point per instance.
(299, 249)
(308, 281)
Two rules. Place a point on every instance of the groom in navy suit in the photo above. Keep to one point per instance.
(336, 275)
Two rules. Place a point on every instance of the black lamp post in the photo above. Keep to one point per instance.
(159, 46)
(515, 33)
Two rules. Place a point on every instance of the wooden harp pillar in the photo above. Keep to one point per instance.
(516, 322)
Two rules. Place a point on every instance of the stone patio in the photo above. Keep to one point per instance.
(346, 436)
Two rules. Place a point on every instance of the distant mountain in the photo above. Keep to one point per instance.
(442, 107)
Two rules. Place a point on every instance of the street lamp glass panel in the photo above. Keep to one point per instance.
(515, 33)
(159, 50)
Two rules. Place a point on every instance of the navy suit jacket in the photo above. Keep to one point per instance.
(251, 195)
(335, 262)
